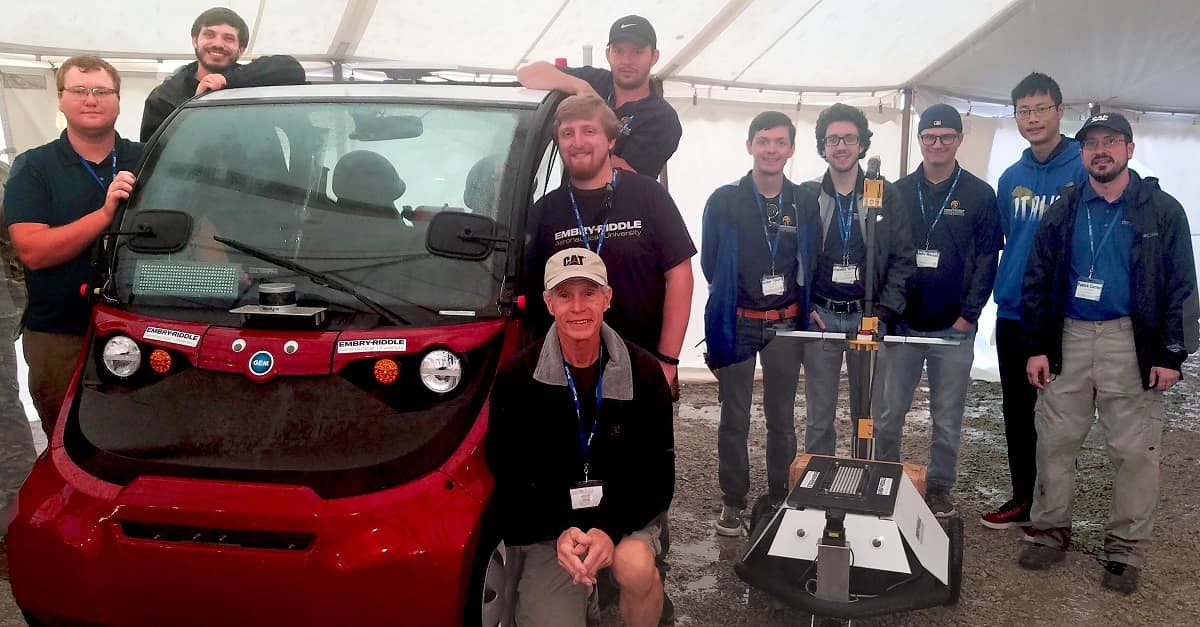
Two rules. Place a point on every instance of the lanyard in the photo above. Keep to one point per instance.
(938, 217)
(579, 218)
(585, 443)
(92, 170)
(1092, 238)
(773, 247)
(845, 225)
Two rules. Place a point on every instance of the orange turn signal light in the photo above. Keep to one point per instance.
(386, 371)
(160, 361)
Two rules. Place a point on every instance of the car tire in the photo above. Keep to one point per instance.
(491, 597)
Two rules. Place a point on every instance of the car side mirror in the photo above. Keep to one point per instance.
(467, 236)
(158, 231)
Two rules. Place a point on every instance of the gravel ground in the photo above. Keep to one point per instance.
(995, 590)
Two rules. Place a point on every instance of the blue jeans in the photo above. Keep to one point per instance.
(781, 360)
(949, 372)
(822, 373)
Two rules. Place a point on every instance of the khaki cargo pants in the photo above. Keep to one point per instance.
(1099, 376)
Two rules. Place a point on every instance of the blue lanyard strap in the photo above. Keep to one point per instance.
(585, 442)
(579, 218)
(945, 203)
(87, 166)
(772, 246)
(845, 225)
(1092, 238)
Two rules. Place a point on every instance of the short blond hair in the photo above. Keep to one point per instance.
(86, 63)
(586, 107)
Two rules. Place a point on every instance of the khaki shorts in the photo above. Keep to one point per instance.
(547, 595)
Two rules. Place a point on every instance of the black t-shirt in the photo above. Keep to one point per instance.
(754, 256)
(835, 252)
(645, 237)
(585, 378)
(649, 128)
(51, 185)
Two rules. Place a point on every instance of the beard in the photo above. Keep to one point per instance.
(231, 59)
(630, 85)
(1108, 175)
(584, 171)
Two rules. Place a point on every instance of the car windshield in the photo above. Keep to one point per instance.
(344, 189)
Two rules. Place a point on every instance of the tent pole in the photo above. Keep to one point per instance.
(906, 96)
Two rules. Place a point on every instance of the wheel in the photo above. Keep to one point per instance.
(954, 529)
(491, 596)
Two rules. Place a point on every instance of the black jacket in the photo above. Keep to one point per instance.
(179, 87)
(1162, 279)
(895, 256)
(534, 452)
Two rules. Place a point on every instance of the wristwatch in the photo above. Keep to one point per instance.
(670, 361)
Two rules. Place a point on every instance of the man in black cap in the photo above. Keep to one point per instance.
(649, 127)
(1108, 310)
(956, 231)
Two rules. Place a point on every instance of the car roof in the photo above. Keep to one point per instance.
(487, 94)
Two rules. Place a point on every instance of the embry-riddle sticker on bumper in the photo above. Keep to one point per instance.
(373, 345)
(171, 336)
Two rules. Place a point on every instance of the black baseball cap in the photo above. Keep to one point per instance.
(940, 115)
(633, 28)
(1111, 120)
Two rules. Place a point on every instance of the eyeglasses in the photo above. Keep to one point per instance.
(1036, 112)
(82, 92)
(849, 140)
(1107, 142)
(947, 140)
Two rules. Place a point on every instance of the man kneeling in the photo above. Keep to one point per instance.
(580, 442)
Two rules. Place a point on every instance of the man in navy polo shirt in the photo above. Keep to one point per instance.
(648, 127)
(956, 231)
(1109, 316)
(60, 197)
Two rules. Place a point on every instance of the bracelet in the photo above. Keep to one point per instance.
(670, 361)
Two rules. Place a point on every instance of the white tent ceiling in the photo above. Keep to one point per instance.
(1141, 57)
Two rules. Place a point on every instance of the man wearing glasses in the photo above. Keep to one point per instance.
(1109, 313)
(1026, 189)
(957, 236)
(648, 127)
(838, 285)
(60, 197)
(759, 235)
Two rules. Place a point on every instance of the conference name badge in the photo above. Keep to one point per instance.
(928, 258)
(1089, 289)
(772, 285)
(845, 273)
(587, 494)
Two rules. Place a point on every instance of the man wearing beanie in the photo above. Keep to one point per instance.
(956, 231)
(1109, 314)
(581, 444)
(649, 128)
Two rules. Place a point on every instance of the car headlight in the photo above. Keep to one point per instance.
(441, 371)
(121, 356)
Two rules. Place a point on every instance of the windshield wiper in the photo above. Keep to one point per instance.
(320, 278)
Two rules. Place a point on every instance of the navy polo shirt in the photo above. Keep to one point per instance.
(649, 128)
(754, 251)
(51, 185)
(835, 252)
(1112, 254)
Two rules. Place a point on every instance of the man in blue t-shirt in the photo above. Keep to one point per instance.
(957, 237)
(648, 127)
(60, 197)
(1026, 189)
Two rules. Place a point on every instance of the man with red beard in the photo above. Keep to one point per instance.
(626, 218)
(648, 127)
(219, 37)
(1109, 317)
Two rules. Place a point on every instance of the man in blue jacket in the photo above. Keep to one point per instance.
(957, 236)
(756, 253)
(1109, 316)
(1026, 189)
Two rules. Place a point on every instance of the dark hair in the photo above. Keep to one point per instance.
(217, 16)
(1034, 84)
(768, 120)
(843, 113)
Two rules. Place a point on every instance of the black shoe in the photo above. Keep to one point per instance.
(939, 502)
(1012, 514)
(1036, 556)
(1121, 577)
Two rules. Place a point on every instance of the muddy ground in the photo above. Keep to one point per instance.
(995, 590)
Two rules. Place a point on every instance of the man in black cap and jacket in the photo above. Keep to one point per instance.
(649, 128)
(1109, 316)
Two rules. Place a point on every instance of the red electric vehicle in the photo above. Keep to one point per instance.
(279, 412)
